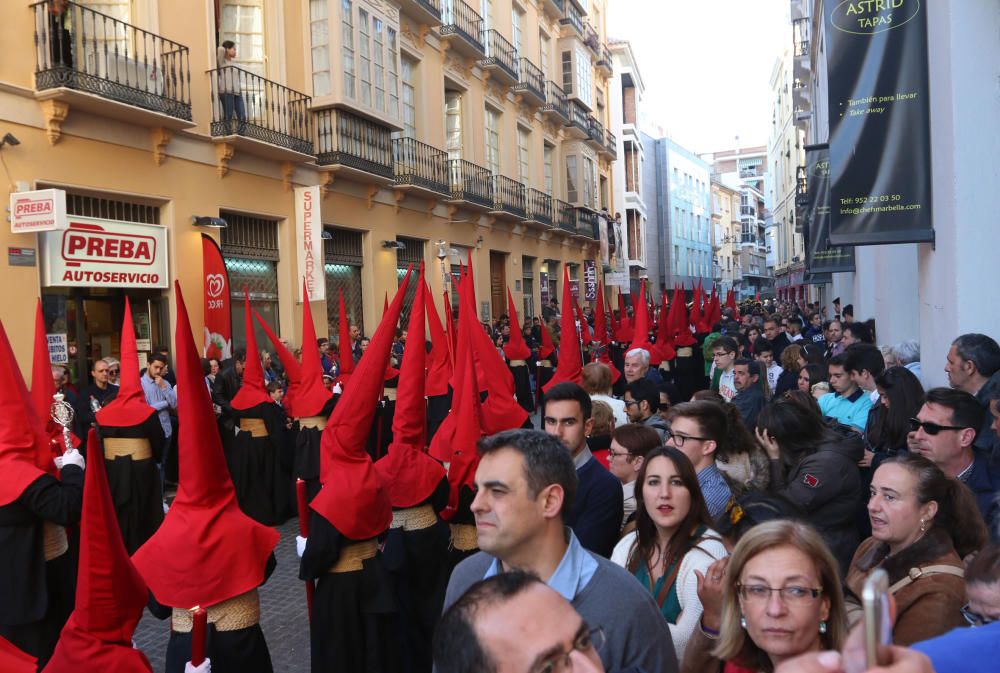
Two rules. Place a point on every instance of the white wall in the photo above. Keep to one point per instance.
(886, 289)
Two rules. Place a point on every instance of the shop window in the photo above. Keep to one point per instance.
(250, 251)
(411, 255)
(343, 259)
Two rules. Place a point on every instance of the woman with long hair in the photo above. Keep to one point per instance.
(900, 395)
(811, 375)
(671, 541)
(791, 363)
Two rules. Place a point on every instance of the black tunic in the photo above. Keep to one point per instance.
(437, 410)
(37, 596)
(305, 464)
(136, 487)
(522, 387)
(238, 651)
(354, 613)
(255, 465)
(417, 562)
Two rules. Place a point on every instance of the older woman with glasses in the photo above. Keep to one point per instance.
(923, 524)
(776, 597)
(114, 370)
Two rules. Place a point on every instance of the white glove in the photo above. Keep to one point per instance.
(300, 545)
(337, 388)
(71, 457)
(205, 667)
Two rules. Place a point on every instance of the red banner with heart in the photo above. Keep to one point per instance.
(218, 338)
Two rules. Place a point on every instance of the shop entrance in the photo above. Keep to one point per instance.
(89, 322)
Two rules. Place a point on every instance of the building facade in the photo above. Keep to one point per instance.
(727, 264)
(432, 131)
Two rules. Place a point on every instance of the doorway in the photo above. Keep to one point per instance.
(498, 283)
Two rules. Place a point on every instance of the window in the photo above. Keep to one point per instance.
(365, 60)
(319, 33)
(544, 53)
(567, 72)
(676, 257)
(492, 140)
(486, 11)
(408, 99)
(242, 22)
(604, 192)
(393, 78)
(572, 191)
(453, 124)
(584, 77)
(347, 37)
(523, 154)
(634, 222)
(589, 182)
(547, 152)
(516, 27)
(378, 61)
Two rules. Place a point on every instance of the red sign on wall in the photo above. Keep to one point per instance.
(218, 342)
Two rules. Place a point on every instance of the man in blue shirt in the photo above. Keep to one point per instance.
(848, 404)
(159, 393)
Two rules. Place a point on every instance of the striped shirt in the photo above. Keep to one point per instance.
(714, 490)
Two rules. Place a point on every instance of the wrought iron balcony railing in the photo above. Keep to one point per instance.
(508, 196)
(611, 144)
(573, 17)
(420, 165)
(604, 59)
(540, 207)
(249, 105)
(352, 141)
(78, 48)
(596, 130)
(591, 38)
(422, 9)
(578, 117)
(556, 102)
(586, 223)
(457, 18)
(470, 183)
(565, 216)
(499, 53)
(531, 80)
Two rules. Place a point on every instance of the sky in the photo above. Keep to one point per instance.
(706, 66)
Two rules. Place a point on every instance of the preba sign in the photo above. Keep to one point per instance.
(41, 210)
(105, 253)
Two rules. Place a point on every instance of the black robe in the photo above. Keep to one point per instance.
(136, 486)
(380, 436)
(522, 387)
(462, 516)
(305, 463)
(238, 651)
(437, 410)
(37, 596)
(354, 613)
(255, 465)
(417, 562)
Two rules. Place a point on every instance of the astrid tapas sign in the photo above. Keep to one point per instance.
(105, 253)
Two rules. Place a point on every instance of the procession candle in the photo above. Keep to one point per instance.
(303, 505)
(198, 636)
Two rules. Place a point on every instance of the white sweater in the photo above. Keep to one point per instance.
(687, 582)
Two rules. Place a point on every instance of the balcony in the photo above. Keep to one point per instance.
(801, 185)
(420, 167)
(96, 63)
(565, 215)
(470, 184)
(604, 63)
(501, 58)
(610, 146)
(462, 29)
(358, 147)
(573, 19)
(748, 211)
(554, 8)
(427, 12)
(556, 106)
(801, 95)
(586, 223)
(508, 197)
(578, 122)
(540, 207)
(531, 83)
(591, 38)
(595, 133)
(260, 116)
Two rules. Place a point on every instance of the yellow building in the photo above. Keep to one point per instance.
(431, 128)
(726, 226)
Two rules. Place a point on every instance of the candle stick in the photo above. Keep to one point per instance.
(198, 636)
(303, 506)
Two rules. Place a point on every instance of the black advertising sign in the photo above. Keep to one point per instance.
(880, 154)
(820, 256)
(589, 279)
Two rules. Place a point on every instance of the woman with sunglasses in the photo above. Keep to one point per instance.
(900, 399)
(778, 596)
(672, 540)
(923, 524)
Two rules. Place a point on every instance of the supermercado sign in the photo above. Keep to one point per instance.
(93, 252)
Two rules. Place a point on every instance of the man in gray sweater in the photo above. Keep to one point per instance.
(525, 486)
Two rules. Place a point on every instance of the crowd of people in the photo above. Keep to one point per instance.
(709, 489)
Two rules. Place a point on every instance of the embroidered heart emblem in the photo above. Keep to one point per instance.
(216, 283)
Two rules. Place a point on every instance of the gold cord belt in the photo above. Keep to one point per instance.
(390, 394)
(353, 555)
(518, 363)
(414, 518)
(685, 352)
(464, 537)
(255, 426)
(239, 612)
(317, 422)
(136, 447)
(545, 363)
(56, 543)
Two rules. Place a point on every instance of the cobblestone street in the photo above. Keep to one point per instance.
(283, 614)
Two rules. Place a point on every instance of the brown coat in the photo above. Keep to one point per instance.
(927, 607)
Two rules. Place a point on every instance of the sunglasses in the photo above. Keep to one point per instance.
(930, 428)
(114, 372)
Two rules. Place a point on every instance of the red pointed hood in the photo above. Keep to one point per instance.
(252, 391)
(731, 303)
(697, 320)
(664, 337)
(13, 660)
(466, 415)
(547, 347)
(292, 367)
(449, 323)
(110, 594)
(714, 310)
(440, 370)
(42, 390)
(570, 361)
(22, 437)
(641, 337)
(206, 550)
(312, 395)
(129, 407)
(352, 498)
(516, 348)
(625, 330)
(406, 471)
(600, 320)
(679, 321)
(345, 348)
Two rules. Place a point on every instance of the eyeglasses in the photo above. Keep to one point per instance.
(629, 403)
(761, 593)
(114, 372)
(612, 454)
(974, 618)
(588, 641)
(679, 440)
(930, 428)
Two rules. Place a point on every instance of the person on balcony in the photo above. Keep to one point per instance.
(230, 90)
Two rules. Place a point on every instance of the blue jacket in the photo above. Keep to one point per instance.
(984, 482)
(598, 508)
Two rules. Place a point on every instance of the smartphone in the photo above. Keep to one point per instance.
(878, 623)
